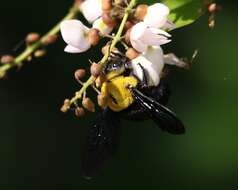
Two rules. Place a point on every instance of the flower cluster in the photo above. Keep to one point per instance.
(146, 28)
(142, 29)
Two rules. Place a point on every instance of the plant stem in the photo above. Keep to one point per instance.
(32, 48)
(107, 54)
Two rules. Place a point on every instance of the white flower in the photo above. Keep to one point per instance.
(91, 9)
(102, 27)
(156, 15)
(142, 36)
(152, 62)
(74, 34)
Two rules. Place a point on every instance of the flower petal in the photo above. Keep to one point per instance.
(91, 9)
(72, 49)
(136, 34)
(155, 37)
(102, 27)
(138, 45)
(160, 32)
(141, 61)
(153, 63)
(154, 54)
(156, 15)
(138, 30)
(169, 25)
(74, 33)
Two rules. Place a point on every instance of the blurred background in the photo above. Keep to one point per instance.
(40, 147)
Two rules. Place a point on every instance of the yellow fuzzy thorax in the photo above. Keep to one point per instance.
(119, 96)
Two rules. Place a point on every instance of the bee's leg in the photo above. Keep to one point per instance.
(145, 78)
(172, 59)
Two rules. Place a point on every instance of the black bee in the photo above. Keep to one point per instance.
(149, 103)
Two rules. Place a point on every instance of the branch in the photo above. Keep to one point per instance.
(18, 61)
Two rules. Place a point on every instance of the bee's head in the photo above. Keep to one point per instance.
(116, 65)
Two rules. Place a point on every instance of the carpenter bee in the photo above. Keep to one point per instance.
(131, 99)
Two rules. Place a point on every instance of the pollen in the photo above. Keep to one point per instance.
(119, 95)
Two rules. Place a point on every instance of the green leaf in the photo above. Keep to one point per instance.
(182, 12)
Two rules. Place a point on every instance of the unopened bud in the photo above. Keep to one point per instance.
(78, 2)
(6, 59)
(100, 80)
(79, 112)
(131, 53)
(128, 25)
(93, 36)
(105, 49)
(141, 11)
(106, 5)
(127, 36)
(32, 38)
(80, 73)
(102, 100)
(50, 39)
(95, 69)
(108, 20)
(29, 58)
(66, 106)
(212, 23)
(212, 7)
(40, 53)
(88, 104)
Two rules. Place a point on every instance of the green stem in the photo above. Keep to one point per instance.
(32, 48)
(115, 40)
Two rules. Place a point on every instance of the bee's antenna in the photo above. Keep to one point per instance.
(195, 53)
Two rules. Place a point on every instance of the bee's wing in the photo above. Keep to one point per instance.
(101, 143)
(161, 115)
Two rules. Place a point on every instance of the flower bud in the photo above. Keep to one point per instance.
(66, 106)
(128, 25)
(131, 53)
(102, 100)
(93, 36)
(79, 112)
(100, 80)
(6, 59)
(106, 5)
(29, 58)
(105, 49)
(108, 20)
(80, 73)
(212, 7)
(40, 53)
(88, 104)
(78, 2)
(95, 69)
(32, 38)
(212, 23)
(141, 11)
(127, 36)
(50, 39)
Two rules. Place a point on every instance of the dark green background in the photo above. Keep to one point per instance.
(40, 147)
